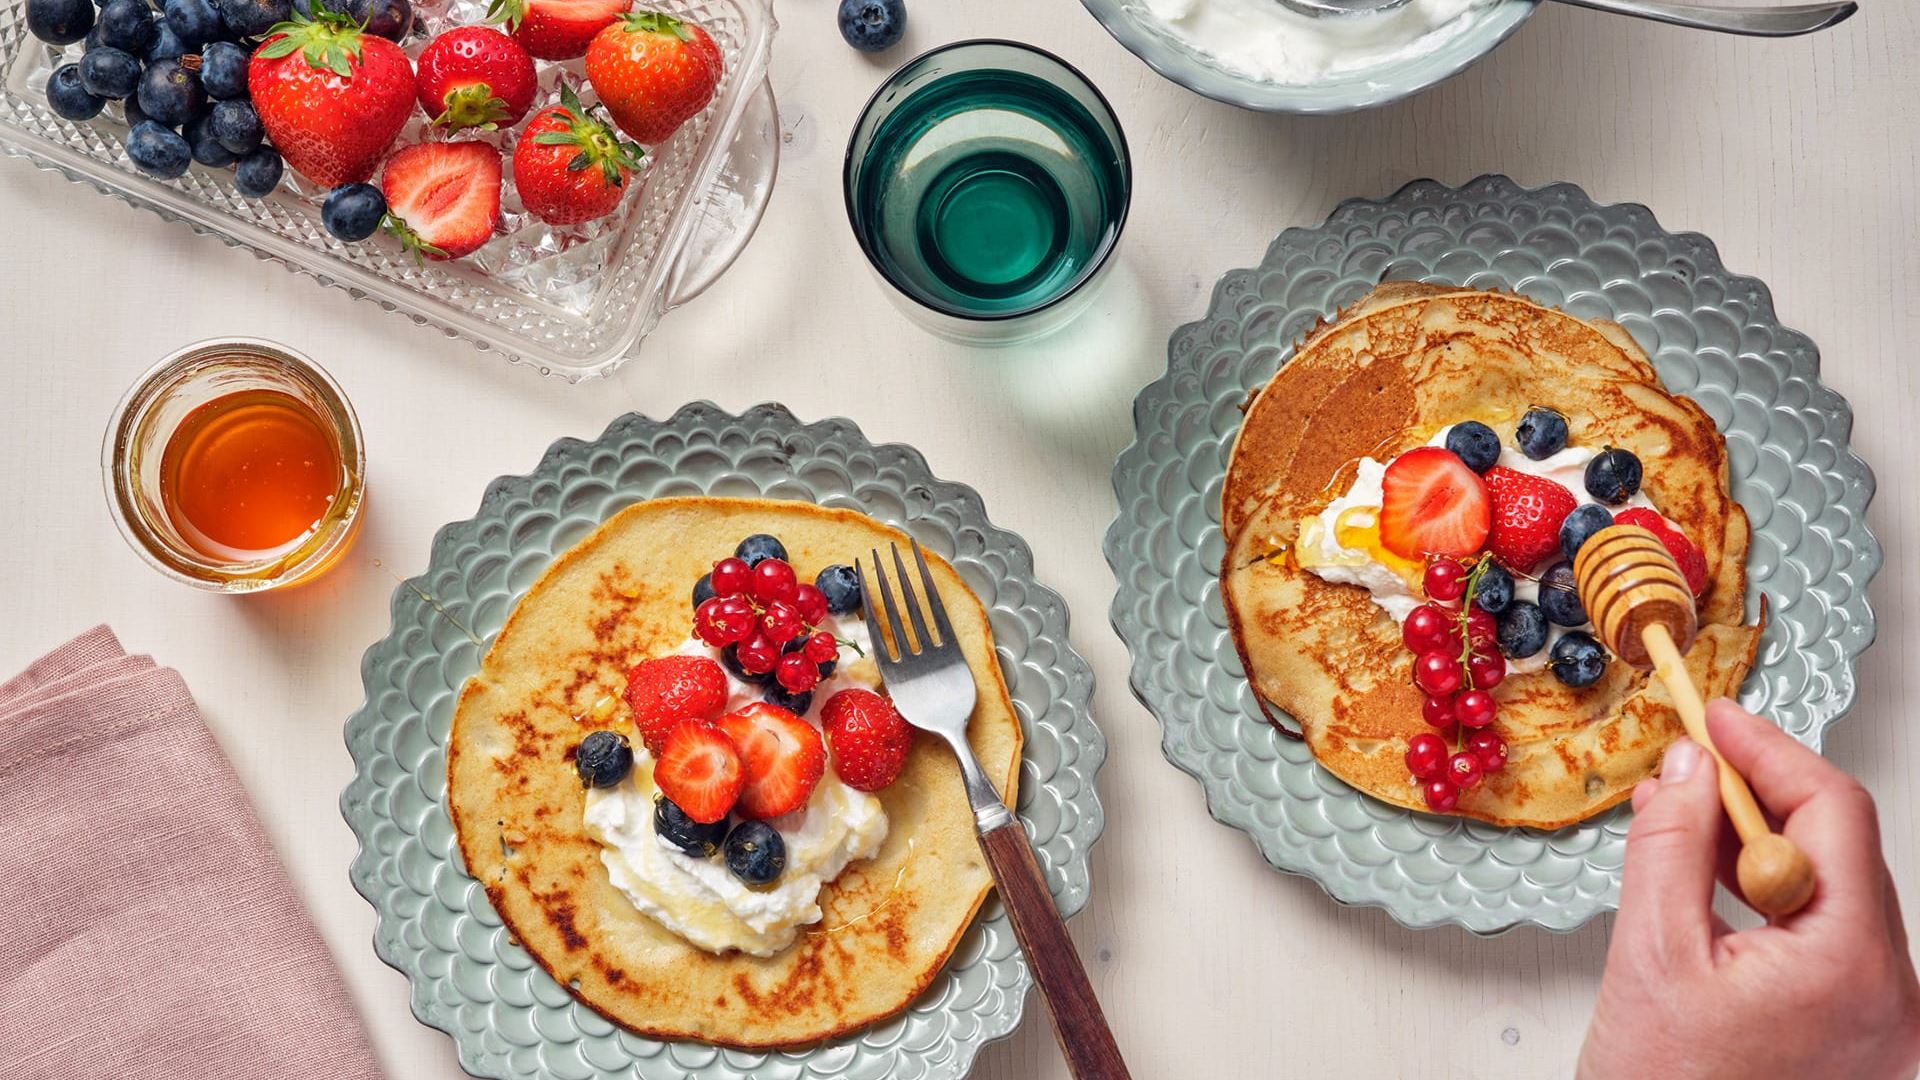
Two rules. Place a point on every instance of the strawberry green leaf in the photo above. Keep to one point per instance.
(657, 22)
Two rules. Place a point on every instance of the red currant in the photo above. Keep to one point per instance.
(735, 619)
(706, 623)
(779, 621)
(821, 648)
(731, 577)
(773, 579)
(1426, 755)
(1490, 748)
(1463, 769)
(1438, 711)
(797, 673)
(1486, 668)
(1445, 580)
(1426, 629)
(757, 655)
(1441, 795)
(1474, 708)
(1481, 627)
(811, 603)
(1437, 673)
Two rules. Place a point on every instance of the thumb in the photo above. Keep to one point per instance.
(1666, 894)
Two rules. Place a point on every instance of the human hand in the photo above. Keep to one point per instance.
(1826, 992)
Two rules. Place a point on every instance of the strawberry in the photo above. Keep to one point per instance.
(869, 739)
(700, 770)
(475, 77)
(653, 72)
(555, 29)
(331, 98)
(1692, 564)
(668, 689)
(1432, 504)
(569, 166)
(1527, 512)
(783, 756)
(443, 199)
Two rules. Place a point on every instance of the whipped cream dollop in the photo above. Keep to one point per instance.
(699, 898)
(1267, 40)
(1344, 547)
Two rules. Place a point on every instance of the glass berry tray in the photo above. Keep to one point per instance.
(573, 301)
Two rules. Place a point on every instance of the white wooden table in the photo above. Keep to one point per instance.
(1800, 158)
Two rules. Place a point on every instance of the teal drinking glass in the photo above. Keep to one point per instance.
(987, 182)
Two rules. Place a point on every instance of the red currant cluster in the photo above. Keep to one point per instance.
(762, 610)
(1456, 663)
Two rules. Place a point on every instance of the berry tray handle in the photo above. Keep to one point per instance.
(734, 203)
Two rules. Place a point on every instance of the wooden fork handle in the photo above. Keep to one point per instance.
(1077, 1021)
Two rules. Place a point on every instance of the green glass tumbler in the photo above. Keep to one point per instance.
(987, 182)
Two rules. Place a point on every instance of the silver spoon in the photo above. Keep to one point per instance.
(1753, 21)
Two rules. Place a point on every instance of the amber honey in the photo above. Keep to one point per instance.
(247, 474)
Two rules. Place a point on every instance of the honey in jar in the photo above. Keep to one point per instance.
(248, 474)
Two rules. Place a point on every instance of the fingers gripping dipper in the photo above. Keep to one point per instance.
(1643, 610)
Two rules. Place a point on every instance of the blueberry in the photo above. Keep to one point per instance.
(128, 25)
(840, 584)
(207, 150)
(306, 7)
(171, 94)
(1613, 476)
(603, 759)
(166, 45)
(251, 18)
(1542, 433)
(797, 704)
(92, 40)
(1579, 526)
(129, 106)
(237, 126)
(195, 22)
(1577, 660)
(872, 25)
(258, 173)
(352, 211)
(670, 823)
(390, 19)
(1522, 629)
(1495, 589)
(69, 98)
(1474, 443)
(1560, 597)
(158, 151)
(107, 72)
(703, 590)
(730, 659)
(223, 71)
(59, 22)
(755, 853)
(760, 546)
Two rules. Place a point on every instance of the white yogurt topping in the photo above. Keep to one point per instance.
(1268, 40)
(700, 899)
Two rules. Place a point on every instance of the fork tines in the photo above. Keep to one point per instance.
(899, 647)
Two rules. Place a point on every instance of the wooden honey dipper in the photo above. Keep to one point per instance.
(1641, 606)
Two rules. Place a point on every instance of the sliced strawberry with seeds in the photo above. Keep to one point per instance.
(1432, 504)
(443, 198)
(700, 770)
(1693, 565)
(665, 690)
(1527, 512)
(783, 755)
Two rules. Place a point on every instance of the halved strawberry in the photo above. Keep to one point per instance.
(870, 739)
(700, 770)
(783, 756)
(1692, 564)
(1527, 512)
(443, 198)
(555, 29)
(665, 690)
(1432, 504)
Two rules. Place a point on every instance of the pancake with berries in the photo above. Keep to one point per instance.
(1400, 512)
(687, 795)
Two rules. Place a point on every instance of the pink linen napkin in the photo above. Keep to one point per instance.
(147, 929)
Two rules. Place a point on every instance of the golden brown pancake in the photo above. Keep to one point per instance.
(1404, 362)
(557, 671)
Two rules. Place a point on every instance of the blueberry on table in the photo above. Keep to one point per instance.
(1521, 629)
(1578, 527)
(207, 150)
(759, 547)
(128, 25)
(251, 18)
(1474, 443)
(872, 25)
(1577, 660)
(390, 19)
(1560, 596)
(237, 126)
(69, 97)
(1613, 476)
(755, 853)
(166, 45)
(59, 22)
(194, 22)
(672, 824)
(157, 150)
(1494, 591)
(171, 94)
(223, 71)
(258, 173)
(603, 759)
(1542, 433)
(107, 72)
(841, 586)
(352, 211)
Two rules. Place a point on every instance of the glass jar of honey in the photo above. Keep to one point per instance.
(236, 465)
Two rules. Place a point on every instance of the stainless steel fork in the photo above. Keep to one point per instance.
(933, 688)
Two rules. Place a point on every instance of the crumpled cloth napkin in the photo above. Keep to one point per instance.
(147, 929)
